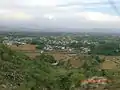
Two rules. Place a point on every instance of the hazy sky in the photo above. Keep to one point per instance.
(59, 13)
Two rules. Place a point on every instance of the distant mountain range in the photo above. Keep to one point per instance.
(45, 29)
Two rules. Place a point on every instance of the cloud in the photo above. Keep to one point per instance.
(61, 13)
(49, 17)
(83, 20)
(36, 3)
(13, 15)
(98, 16)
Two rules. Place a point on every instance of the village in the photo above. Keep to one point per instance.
(99, 53)
(51, 43)
(68, 47)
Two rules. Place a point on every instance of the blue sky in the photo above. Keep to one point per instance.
(60, 13)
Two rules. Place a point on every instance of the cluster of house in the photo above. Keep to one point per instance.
(7, 42)
(51, 43)
(57, 43)
(85, 50)
(61, 43)
(62, 48)
(16, 41)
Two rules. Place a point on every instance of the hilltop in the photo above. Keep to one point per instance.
(19, 71)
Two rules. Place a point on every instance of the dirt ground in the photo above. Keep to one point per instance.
(26, 47)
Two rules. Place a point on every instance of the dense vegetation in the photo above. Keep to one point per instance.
(106, 49)
(19, 72)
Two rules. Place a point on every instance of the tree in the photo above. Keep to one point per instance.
(12, 67)
(106, 49)
(40, 46)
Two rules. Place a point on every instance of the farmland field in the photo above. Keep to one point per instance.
(75, 60)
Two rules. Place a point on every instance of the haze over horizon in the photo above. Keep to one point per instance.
(55, 14)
